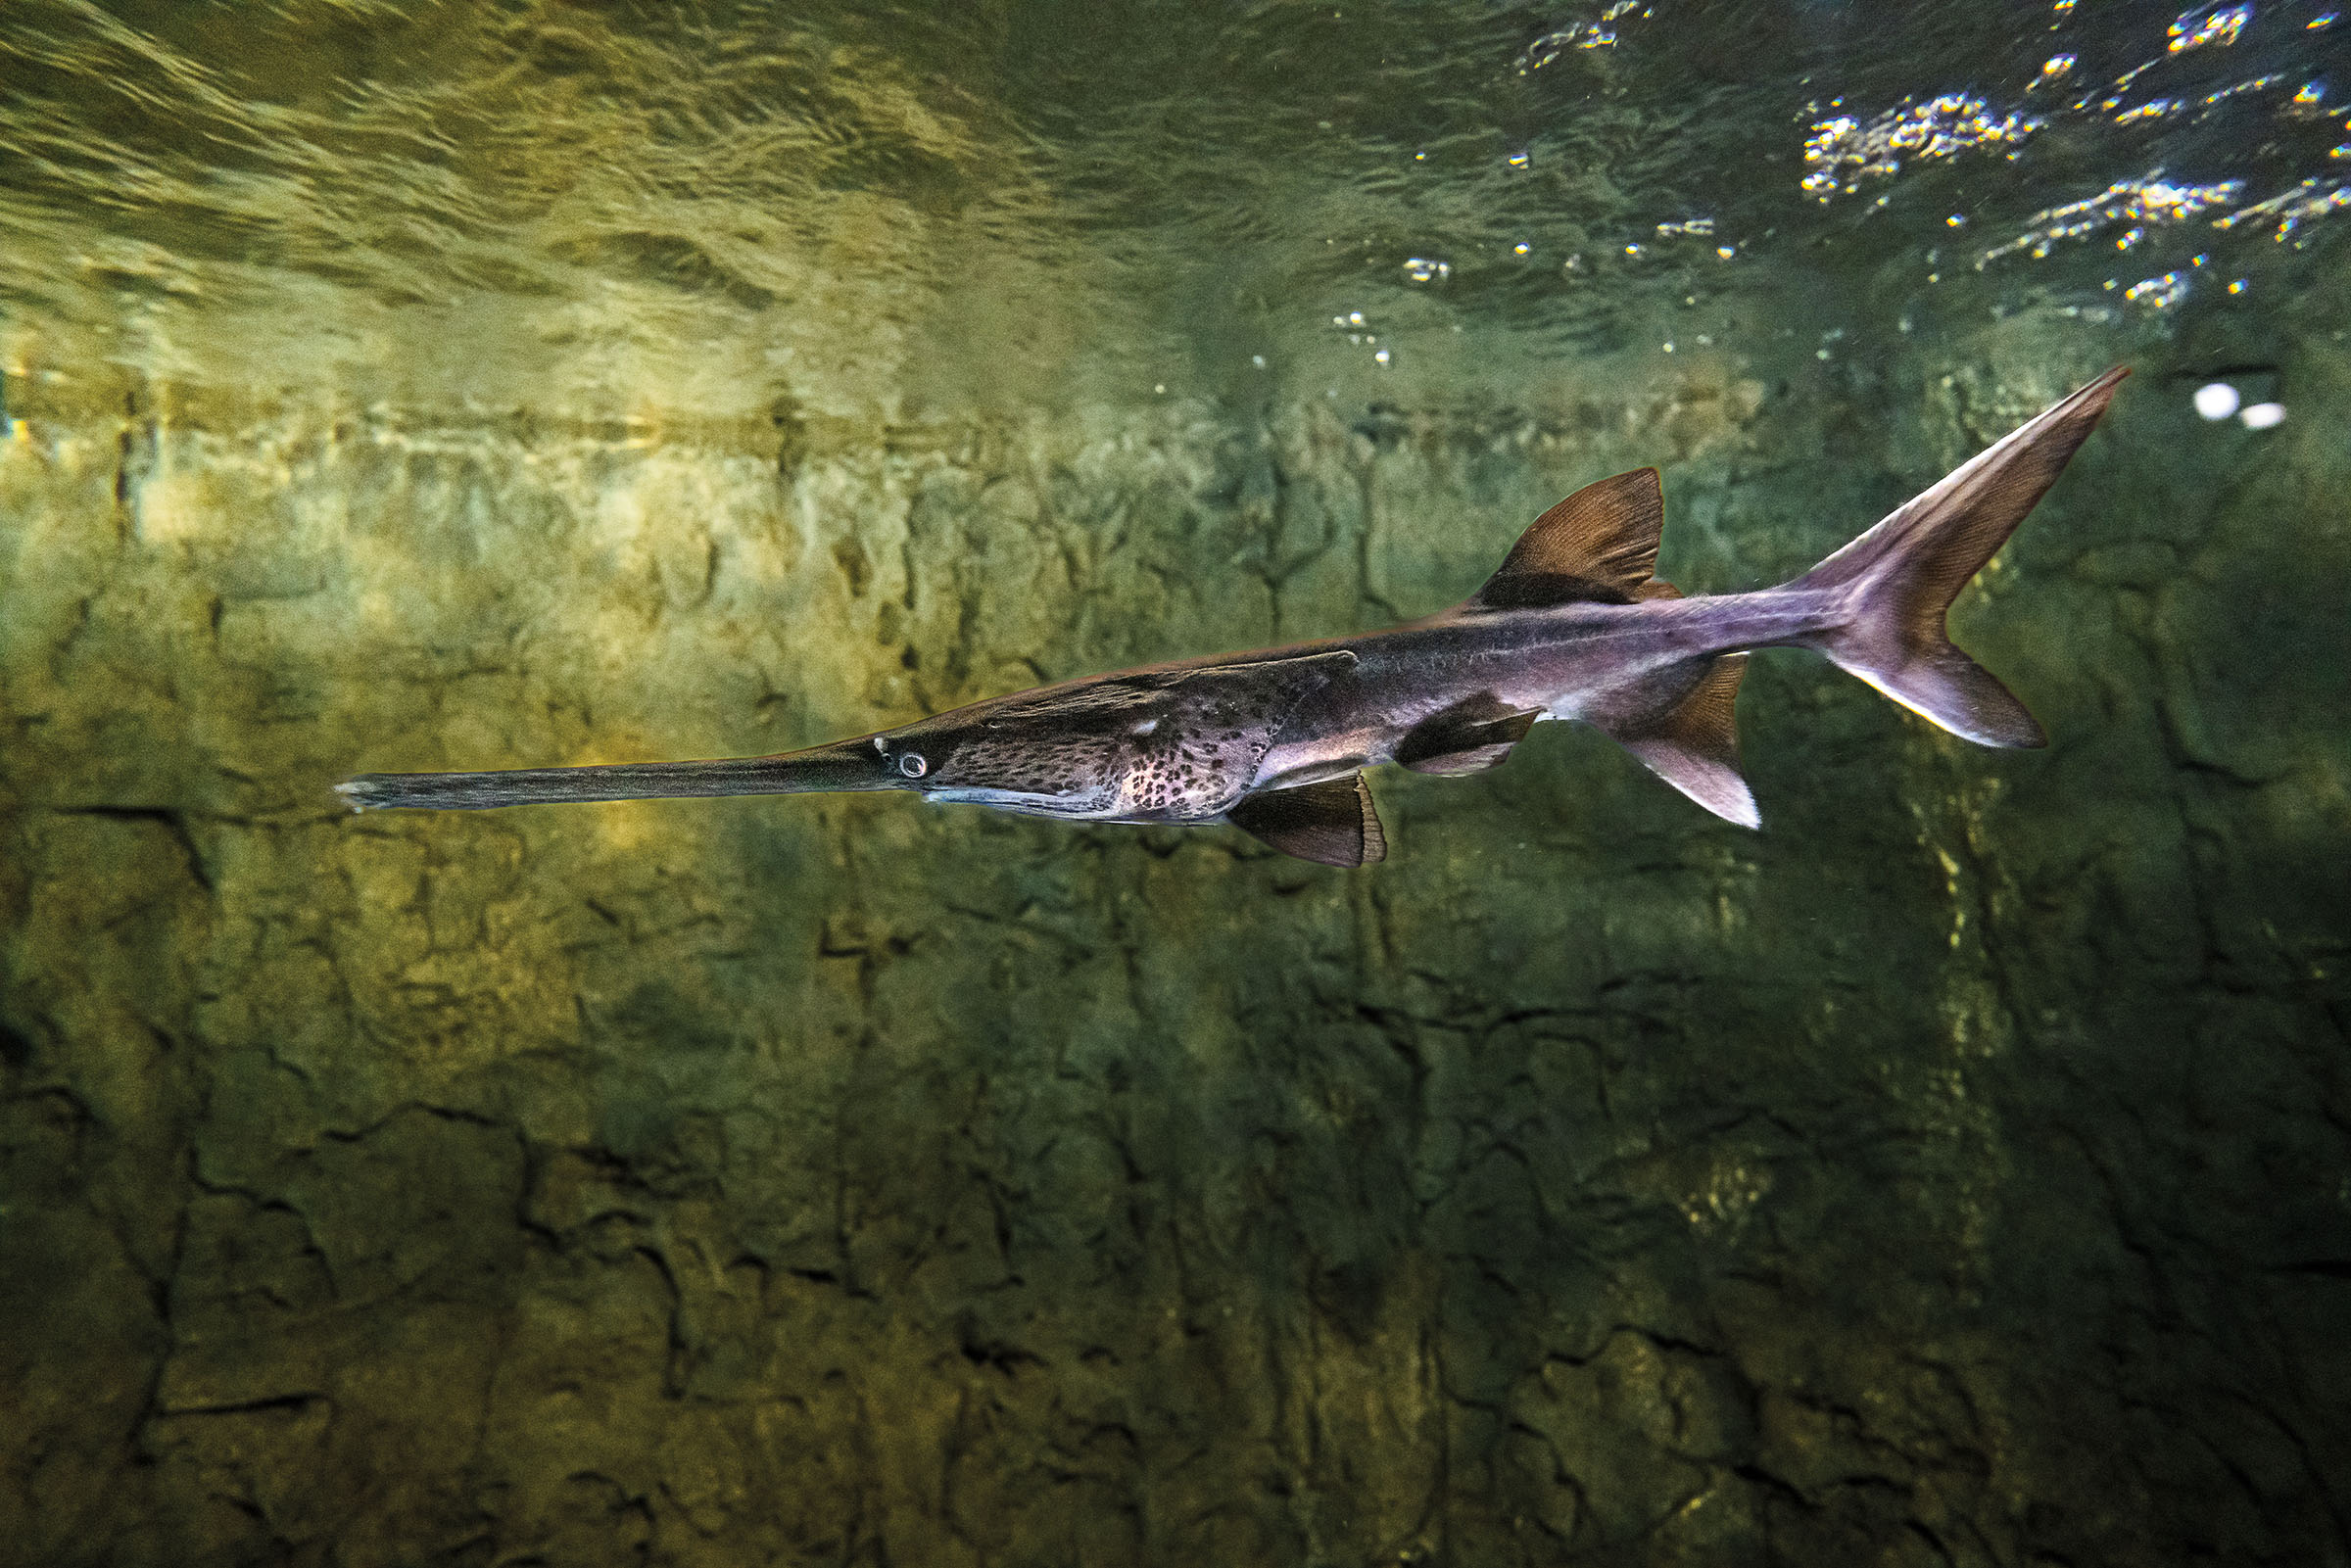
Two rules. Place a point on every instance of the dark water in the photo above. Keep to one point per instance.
(1955, 1170)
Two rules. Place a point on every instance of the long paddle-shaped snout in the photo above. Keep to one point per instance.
(858, 764)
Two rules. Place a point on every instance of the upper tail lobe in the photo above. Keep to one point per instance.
(1897, 581)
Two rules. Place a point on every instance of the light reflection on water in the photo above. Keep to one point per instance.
(864, 211)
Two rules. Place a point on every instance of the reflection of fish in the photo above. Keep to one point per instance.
(1572, 626)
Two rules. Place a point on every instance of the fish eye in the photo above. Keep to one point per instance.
(912, 765)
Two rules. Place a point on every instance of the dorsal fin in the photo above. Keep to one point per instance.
(1598, 544)
(1470, 736)
(1694, 746)
(1331, 821)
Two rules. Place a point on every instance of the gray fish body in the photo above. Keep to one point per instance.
(1574, 626)
(1618, 666)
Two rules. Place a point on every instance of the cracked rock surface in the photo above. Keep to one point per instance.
(1956, 1171)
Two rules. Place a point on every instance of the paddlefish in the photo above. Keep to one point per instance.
(1574, 625)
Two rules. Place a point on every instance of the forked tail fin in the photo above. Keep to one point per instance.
(1899, 580)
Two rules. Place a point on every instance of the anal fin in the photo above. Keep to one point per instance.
(1694, 746)
(1467, 737)
(1331, 821)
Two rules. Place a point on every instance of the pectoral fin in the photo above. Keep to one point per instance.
(1331, 821)
(1695, 747)
(1467, 738)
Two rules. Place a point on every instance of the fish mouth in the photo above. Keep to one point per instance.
(1072, 807)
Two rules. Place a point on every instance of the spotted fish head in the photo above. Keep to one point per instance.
(1165, 745)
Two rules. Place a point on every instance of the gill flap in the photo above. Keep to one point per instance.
(1219, 723)
(1694, 746)
(1470, 736)
(1331, 821)
(1598, 544)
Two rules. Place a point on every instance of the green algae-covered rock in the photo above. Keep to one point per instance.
(823, 1178)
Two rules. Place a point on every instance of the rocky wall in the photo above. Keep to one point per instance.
(1957, 1170)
